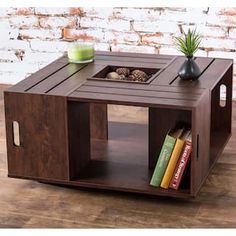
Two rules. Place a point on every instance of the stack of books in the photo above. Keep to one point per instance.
(173, 159)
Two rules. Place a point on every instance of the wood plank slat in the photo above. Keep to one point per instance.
(213, 74)
(131, 100)
(39, 76)
(170, 73)
(77, 79)
(134, 92)
(203, 63)
(56, 78)
(130, 64)
(150, 87)
(133, 59)
(132, 54)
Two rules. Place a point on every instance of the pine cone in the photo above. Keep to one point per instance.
(113, 75)
(131, 78)
(139, 75)
(122, 77)
(123, 71)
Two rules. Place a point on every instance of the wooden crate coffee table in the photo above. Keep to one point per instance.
(66, 138)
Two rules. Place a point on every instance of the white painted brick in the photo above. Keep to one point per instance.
(214, 10)
(87, 22)
(40, 34)
(232, 33)
(137, 14)
(4, 23)
(24, 21)
(208, 31)
(131, 48)
(221, 20)
(191, 16)
(12, 77)
(5, 29)
(113, 24)
(119, 25)
(172, 50)
(200, 53)
(14, 44)
(102, 47)
(231, 11)
(169, 50)
(22, 67)
(153, 39)
(57, 22)
(222, 54)
(48, 46)
(8, 55)
(20, 11)
(40, 57)
(54, 11)
(3, 11)
(218, 43)
(121, 37)
(98, 12)
(156, 26)
(13, 34)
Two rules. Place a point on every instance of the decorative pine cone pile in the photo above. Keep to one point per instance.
(123, 73)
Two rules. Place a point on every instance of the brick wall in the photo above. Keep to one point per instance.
(30, 38)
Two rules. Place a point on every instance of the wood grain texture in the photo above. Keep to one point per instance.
(79, 137)
(160, 121)
(29, 204)
(39, 153)
(98, 121)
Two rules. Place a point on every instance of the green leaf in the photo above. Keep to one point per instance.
(188, 43)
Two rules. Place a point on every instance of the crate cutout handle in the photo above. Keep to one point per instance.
(223, 93)
(16, 133)
(197, 146)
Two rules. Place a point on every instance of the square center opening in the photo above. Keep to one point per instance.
(126, 74)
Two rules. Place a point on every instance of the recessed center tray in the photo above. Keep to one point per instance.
(102, 74)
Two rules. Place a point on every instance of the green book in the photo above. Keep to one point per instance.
(164, 157)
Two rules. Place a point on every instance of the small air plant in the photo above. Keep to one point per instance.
(188, 44)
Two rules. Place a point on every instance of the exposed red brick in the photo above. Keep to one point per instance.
(151, 38)
(157, 34)
(228, 11)
(73, 35)
(51, 22)
(75, 11)
(21, 11)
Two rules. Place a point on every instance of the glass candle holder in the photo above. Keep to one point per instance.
(81, 52)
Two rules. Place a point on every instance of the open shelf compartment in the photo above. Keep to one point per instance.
(124, 156)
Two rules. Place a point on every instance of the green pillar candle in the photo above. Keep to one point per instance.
(81, 52)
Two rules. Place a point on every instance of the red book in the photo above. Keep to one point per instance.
(181, 164)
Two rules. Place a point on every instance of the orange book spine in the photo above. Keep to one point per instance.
(181, 166)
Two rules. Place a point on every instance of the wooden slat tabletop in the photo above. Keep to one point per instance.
(61, 78)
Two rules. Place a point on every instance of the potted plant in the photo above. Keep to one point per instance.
(188, 44)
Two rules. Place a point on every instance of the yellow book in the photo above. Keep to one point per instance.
(173, 160)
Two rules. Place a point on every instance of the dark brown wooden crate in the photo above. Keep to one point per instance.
(66, 136)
